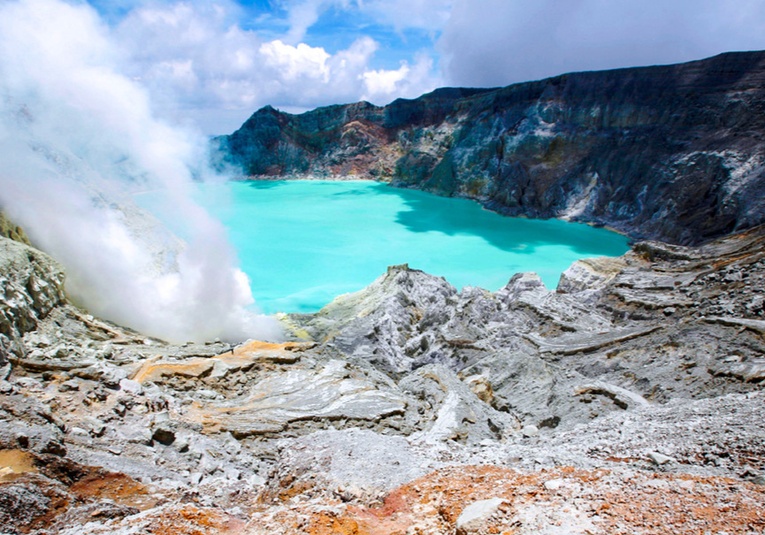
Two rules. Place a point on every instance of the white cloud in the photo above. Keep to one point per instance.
(384, 82)
(200, 64)
(302, 15)
(496, 42)
(77, 140)
(381, 86)
(296, 62)
(191, 56)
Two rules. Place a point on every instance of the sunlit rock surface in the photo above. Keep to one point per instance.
(398, 407)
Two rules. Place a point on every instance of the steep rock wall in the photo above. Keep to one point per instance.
(31, 285)
(674, 152)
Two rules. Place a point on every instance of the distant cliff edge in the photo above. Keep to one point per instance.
(674, 152)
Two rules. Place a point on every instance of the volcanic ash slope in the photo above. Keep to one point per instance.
(628, 400)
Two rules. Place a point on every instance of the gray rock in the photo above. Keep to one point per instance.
(659, 459)
(526, 290)
(589, 276)
(111, 376)
(69, 386)
(130, 386)
(21, 504)
(553, 484)
(446, 408)
(621, 397)
(164, 434)
(136, 435)
(31, 285)
(181, 444)
(96, 427)
(475, 515)
(750, 371)
(375, 324)
(334, 391)
(355, 463)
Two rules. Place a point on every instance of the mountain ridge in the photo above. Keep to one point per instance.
(671, 152)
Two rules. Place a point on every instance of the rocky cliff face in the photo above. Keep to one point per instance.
(672, 152)
(31, 285)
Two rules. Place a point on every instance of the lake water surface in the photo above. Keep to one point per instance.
(302, 243)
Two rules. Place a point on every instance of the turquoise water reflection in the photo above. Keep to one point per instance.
(304, 242)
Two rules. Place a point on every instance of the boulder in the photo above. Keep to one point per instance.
(475, 515)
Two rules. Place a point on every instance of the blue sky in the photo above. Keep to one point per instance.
(212, 63)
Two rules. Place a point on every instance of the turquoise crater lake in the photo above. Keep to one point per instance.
(303, 242)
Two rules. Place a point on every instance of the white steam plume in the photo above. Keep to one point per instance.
(77, 140)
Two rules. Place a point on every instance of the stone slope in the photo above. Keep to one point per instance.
(673, 153)
(640, 376)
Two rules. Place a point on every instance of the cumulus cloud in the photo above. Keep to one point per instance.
(213, 63)
(383, 81)
(200, 64)
(406, 81)
(78, 141)
(496, 42)
(295, 62)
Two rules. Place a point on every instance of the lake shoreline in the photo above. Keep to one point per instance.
(485, 204)
(326, 238)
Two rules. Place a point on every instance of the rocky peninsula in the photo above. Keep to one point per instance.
(627, 400)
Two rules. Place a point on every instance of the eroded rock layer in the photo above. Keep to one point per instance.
(628, 400)
(673, 153)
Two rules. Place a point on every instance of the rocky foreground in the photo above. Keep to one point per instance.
(629, 400)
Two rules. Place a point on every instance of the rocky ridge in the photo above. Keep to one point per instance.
(671, 153)
(628, 400)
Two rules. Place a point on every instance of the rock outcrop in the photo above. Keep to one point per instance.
(10, 230)
(31, 285)
(402, 406)
(673, 153)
